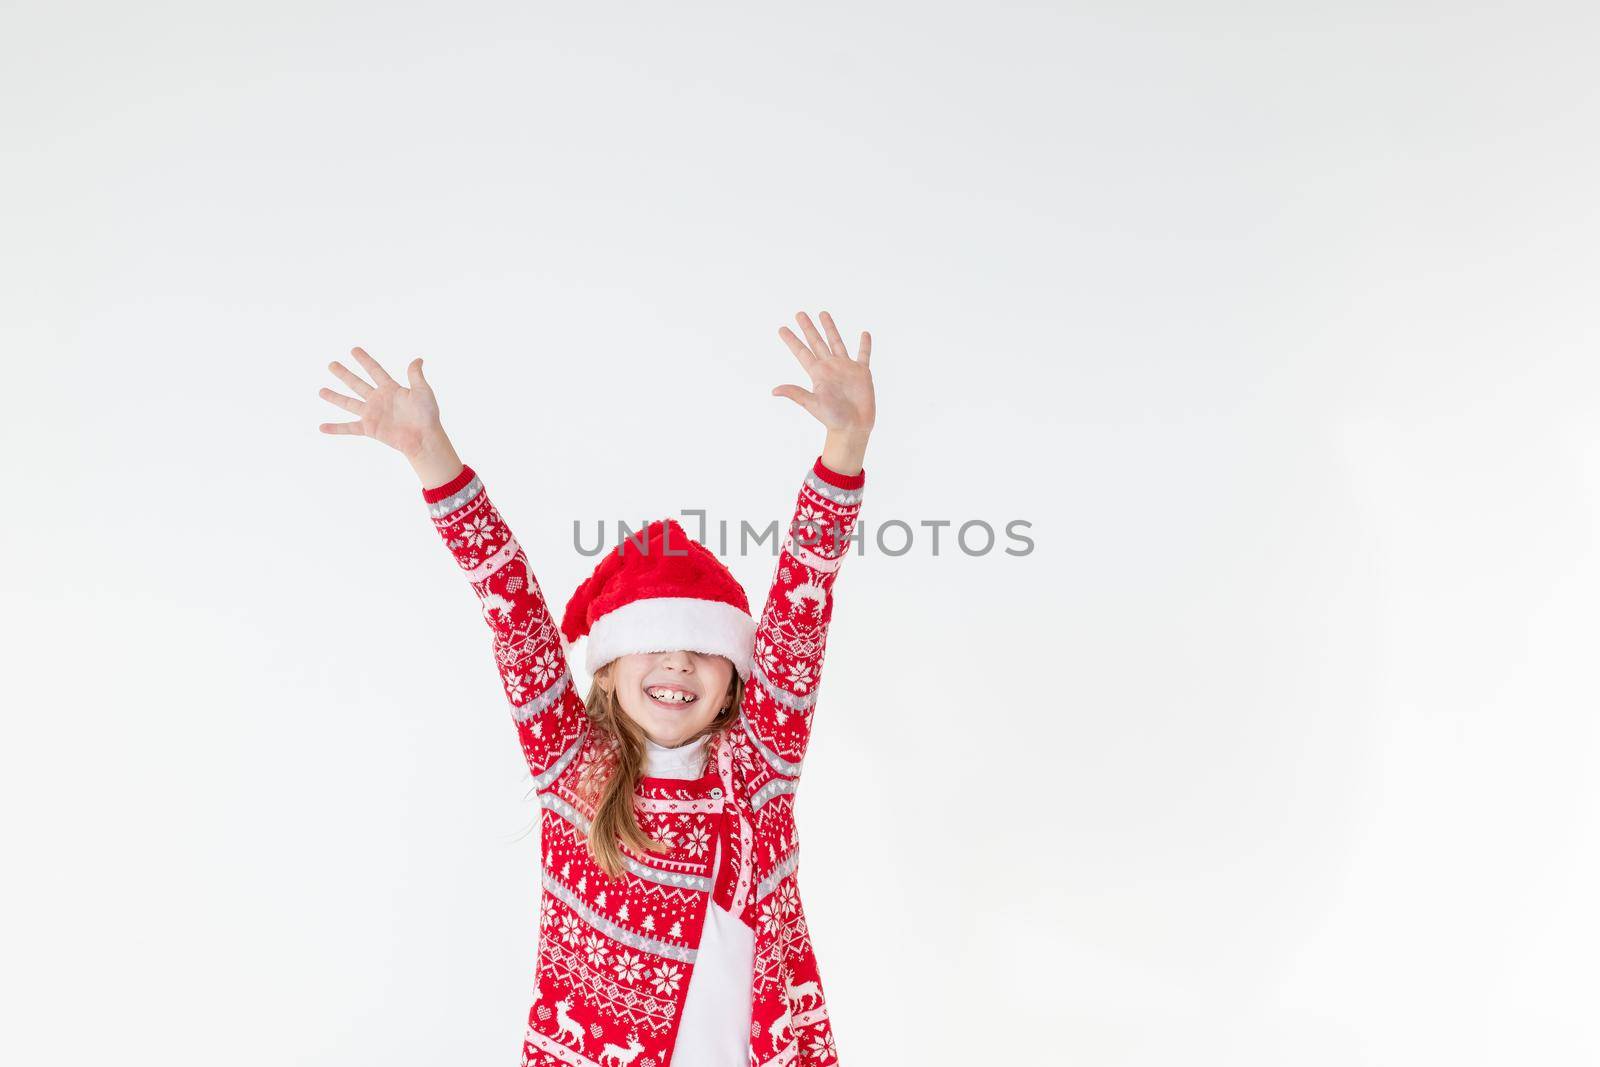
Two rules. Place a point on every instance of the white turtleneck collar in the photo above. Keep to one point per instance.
(685, 761)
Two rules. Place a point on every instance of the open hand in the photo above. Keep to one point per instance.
(404, 419)
(841, 395)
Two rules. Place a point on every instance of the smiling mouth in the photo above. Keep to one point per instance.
(669, 698)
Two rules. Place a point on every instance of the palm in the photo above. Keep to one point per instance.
(397, 416)
(386, 411)
(842, 389)
(841, 394)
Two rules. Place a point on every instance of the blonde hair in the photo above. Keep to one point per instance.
(613, 780)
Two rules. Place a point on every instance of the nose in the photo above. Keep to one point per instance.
(682, 661)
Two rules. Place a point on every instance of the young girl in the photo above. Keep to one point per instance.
(671, 932)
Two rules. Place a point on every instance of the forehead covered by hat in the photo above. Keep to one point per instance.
(658, 591)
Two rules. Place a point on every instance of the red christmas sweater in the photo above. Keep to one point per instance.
(615, 957)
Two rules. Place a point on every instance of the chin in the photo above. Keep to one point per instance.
(675, 734)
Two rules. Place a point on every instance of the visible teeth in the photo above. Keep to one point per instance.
(668, 696)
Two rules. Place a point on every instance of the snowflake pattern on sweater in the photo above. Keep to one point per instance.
(615, 957)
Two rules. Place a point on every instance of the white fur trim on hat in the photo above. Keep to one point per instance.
(668, 623)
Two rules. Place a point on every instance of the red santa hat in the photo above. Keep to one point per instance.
(660, 590)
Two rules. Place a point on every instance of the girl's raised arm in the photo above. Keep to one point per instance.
(792, 633)
(548, 712)
(544, 703)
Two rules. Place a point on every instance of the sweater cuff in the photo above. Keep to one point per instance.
(450, 488)
(837, 480)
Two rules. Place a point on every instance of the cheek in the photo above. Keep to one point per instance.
(634, 705)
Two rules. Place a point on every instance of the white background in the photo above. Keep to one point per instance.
(1276, 322)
